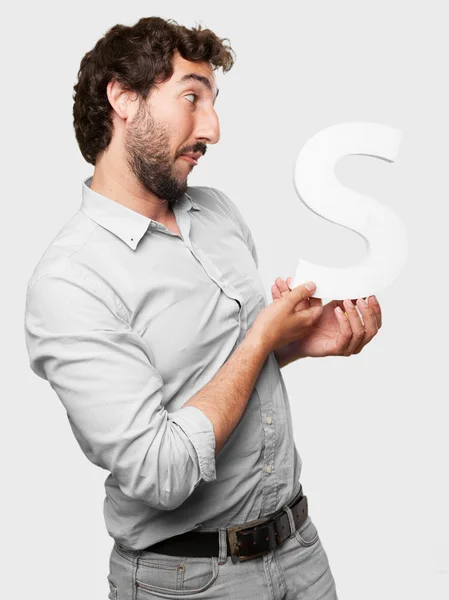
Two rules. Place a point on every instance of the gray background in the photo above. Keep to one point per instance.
(371, 429)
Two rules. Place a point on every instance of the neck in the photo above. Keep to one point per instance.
(125, 190)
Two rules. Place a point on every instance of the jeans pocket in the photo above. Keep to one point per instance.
(162, 574)
(112, 591)
(307, 534)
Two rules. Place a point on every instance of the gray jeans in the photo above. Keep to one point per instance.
(297, 569)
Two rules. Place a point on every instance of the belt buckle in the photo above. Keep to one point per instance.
(234, 544)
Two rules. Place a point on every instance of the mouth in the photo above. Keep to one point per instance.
(189, 158)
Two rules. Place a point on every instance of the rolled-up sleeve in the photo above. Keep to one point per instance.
(79, 339)
(200, 432)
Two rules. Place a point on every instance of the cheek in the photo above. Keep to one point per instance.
(182, 134)
(179, 124)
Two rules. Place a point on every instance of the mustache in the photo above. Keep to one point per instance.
(197, 148)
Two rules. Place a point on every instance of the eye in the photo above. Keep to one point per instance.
(194, 95)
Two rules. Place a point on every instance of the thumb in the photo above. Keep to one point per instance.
(301, 292)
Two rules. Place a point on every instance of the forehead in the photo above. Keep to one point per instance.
(183, 69)
(181, 65)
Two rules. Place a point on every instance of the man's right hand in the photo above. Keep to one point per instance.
(284, 320)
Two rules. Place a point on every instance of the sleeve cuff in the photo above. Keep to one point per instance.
(200, 431)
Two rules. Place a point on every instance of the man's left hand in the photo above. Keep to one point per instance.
(334, 333)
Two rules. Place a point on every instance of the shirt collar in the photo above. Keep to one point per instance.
(129, 225)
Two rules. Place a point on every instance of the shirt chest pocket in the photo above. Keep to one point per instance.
(240, 271)
(250, 287)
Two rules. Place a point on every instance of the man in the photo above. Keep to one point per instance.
(148, 317)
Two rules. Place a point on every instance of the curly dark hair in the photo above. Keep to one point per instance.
(136, 57)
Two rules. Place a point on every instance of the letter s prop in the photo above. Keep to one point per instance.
(382, 230)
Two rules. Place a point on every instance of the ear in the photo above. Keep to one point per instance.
(122, 101)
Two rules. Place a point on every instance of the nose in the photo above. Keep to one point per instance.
(208, 127)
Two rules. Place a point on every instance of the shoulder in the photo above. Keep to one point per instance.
(216, 200)
(66, 283)
(219, 202)
(73, 236)
(206, 196)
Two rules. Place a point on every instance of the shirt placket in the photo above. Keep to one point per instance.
(183, 221)
(269, 495)
(269, 423)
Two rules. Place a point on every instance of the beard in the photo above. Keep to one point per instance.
(147, 152)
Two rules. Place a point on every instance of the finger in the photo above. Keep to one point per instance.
(358, 329)
(300, 292)
(354, 303)
(275, 293)
(374, 304)
(312, 313)
(303, 305)
(282, 285)
(345, 335)
(370, 324)
(307, 303)
(341, 304)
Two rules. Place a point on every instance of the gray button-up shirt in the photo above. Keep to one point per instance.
(127, 321)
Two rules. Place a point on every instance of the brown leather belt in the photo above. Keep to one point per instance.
(245, 541)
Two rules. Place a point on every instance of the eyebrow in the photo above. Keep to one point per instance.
(196, 77)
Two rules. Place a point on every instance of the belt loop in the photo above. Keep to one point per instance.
(298, 495)
(222, 546)
(290, 520)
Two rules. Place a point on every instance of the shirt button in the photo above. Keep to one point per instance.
(269, 420)
(268, 468)
(153, 224)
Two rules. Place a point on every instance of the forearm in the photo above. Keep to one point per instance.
(224, 399)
